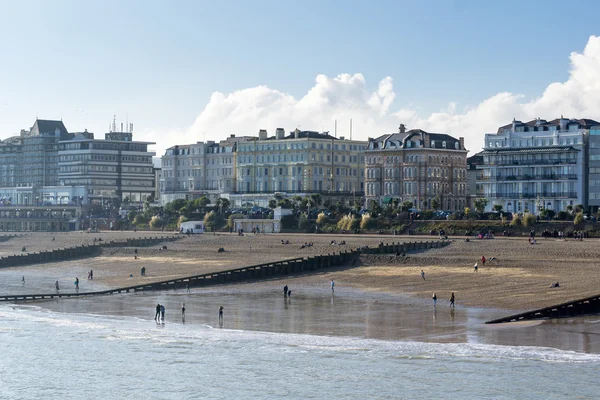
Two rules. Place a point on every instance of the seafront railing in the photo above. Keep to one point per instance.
(269, 270)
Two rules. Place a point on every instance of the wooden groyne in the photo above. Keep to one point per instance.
(295, 266)
(76, 252)
(6, 238)
(575, 308)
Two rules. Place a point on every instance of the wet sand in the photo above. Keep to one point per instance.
(350, 313)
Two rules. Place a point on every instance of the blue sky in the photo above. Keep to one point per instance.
(158, 62)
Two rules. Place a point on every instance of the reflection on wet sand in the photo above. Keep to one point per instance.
(376, 317)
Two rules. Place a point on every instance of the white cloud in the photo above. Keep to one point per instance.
(346, 96)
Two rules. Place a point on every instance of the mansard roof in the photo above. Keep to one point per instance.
(543, 125)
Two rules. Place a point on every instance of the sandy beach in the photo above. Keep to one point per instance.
(516, 275)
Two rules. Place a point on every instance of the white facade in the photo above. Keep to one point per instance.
(536, 165)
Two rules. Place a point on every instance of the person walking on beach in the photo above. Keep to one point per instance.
(162, 313)
(475, 267)
(423, 274)
(183, 310)
(23, 280)
(76, 283)
(187, 287)
(56, 285)
(452, 300)
(285, 290)
(157, 315)
(221, 315)
(483, 261)
(91, 274)
(332, 286)
(434, 297)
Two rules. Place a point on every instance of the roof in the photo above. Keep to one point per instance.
(584, 123)
(541, 149)
(306, 135)
(399, 140)
(42, 126)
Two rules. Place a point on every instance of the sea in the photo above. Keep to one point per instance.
(312, 346)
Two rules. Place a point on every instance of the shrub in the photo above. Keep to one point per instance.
(212, 220)
(232, 217)
(321, 219)
(347, 222)
(181, 219)
(303, 222)
(516, 221)
(140, 220)
(528, 219)
(157, 222)
(578, 218)
(367, 222)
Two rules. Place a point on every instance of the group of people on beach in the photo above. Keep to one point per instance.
(434, 298)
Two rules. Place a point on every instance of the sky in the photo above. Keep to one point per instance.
(188, 71)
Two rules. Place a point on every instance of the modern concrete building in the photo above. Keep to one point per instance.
(417, 166)
(299, 163)
(535, 165)
(47, 165)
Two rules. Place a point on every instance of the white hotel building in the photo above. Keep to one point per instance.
(535, 165)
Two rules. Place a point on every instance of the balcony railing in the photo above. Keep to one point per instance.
(531, 162)
(526, 177)
(517, 195)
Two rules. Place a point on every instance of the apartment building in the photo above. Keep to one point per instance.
(417, 166)
(193, 170)
(536, 165)
(593, 189)
(298, 163)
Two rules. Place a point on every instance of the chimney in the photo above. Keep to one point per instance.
(563, 123)
(426, 143)
(297, 134)
(462, 143)
(262, 134)
(342, 138)
(232, 135)
(279, 133)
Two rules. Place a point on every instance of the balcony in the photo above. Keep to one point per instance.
(516, 195)
(551, 177)
(531, 162)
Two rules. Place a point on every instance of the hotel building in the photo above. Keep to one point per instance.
(417, 166)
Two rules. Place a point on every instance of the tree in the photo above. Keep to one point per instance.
(467, 211)
(516, 221)
(407, 205)
(375, 208)
(498, 208)
(174, 207)
(285, 203)
(272, 203)
(140, 220)
(435, 203)
(223, 204)
(480, 204)
(303, 222)
(578, 218)
(316, 198)
(201, 202)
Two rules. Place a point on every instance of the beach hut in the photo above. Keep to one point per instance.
(192, 227)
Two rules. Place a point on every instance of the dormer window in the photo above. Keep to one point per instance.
(433, 143)
(444, 144)
(456, 145)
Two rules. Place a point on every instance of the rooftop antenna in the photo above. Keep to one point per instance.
(335, 129)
